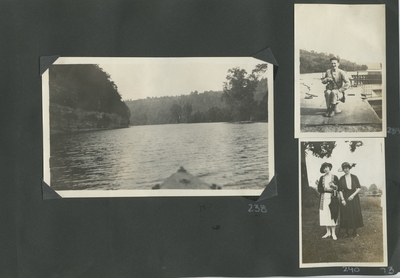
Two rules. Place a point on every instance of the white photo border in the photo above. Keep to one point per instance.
(151, 192)
(384, 263)
(297, 132)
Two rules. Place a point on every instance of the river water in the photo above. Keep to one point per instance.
(234, 156)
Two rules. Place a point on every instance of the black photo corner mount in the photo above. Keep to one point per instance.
(271, 190)
(48, 193)
(390, 6)
(46, 62)
(266, 55)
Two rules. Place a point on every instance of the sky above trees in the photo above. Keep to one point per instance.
(353, 32)
(156, 77)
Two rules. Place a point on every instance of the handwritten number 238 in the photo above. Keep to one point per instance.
(257, 208)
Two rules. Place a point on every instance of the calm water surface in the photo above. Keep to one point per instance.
(231, 155)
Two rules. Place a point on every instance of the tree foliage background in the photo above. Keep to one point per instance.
(244, 97)
(246, 94)
(193, 108)
(322, 149)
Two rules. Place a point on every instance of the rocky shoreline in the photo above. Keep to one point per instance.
(64, 119)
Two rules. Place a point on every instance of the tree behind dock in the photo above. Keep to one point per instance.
(313, 62)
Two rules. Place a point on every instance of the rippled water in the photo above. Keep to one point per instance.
(231, 155)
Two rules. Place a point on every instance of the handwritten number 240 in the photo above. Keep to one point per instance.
(351, 269)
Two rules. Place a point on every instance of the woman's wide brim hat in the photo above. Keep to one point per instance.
(346, 165)
(324, 165)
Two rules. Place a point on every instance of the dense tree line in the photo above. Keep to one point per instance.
(193, 108)
(85, 87)
(313, 62)
(244, 97)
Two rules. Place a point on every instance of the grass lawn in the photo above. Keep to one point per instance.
(366, 248)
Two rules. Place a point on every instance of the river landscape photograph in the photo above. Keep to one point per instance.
(116, 127)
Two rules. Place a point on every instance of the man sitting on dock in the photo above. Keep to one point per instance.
(336, 83)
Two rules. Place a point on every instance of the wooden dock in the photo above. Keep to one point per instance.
(355, 111)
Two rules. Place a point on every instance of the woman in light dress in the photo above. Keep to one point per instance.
(329, 203)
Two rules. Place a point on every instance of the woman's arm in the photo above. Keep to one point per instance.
(357, 185)
(340, 185)
(356, 181)
(320, 185)
(351, 197)
(342, 198)
(336, 182)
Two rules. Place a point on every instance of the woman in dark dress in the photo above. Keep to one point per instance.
(350, 211)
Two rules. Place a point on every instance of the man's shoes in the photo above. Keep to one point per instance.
(343, 99)
(332, 114)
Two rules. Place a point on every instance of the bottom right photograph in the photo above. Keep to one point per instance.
(342, 202)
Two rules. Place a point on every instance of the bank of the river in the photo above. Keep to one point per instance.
(64, 119)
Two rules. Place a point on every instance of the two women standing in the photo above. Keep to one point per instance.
(346, 189)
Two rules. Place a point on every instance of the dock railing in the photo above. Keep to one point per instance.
(366, 78)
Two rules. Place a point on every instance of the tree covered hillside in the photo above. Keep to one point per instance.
(244, 97)
(84, 97)
(85, 87)
(196, 107)
(313, 62)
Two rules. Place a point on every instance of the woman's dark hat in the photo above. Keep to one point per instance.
(346, 165)
(324, 165)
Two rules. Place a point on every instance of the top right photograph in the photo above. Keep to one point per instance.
(340, 70)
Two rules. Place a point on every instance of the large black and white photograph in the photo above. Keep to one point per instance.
(158, 126)
(342, 202)
(340, 70)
